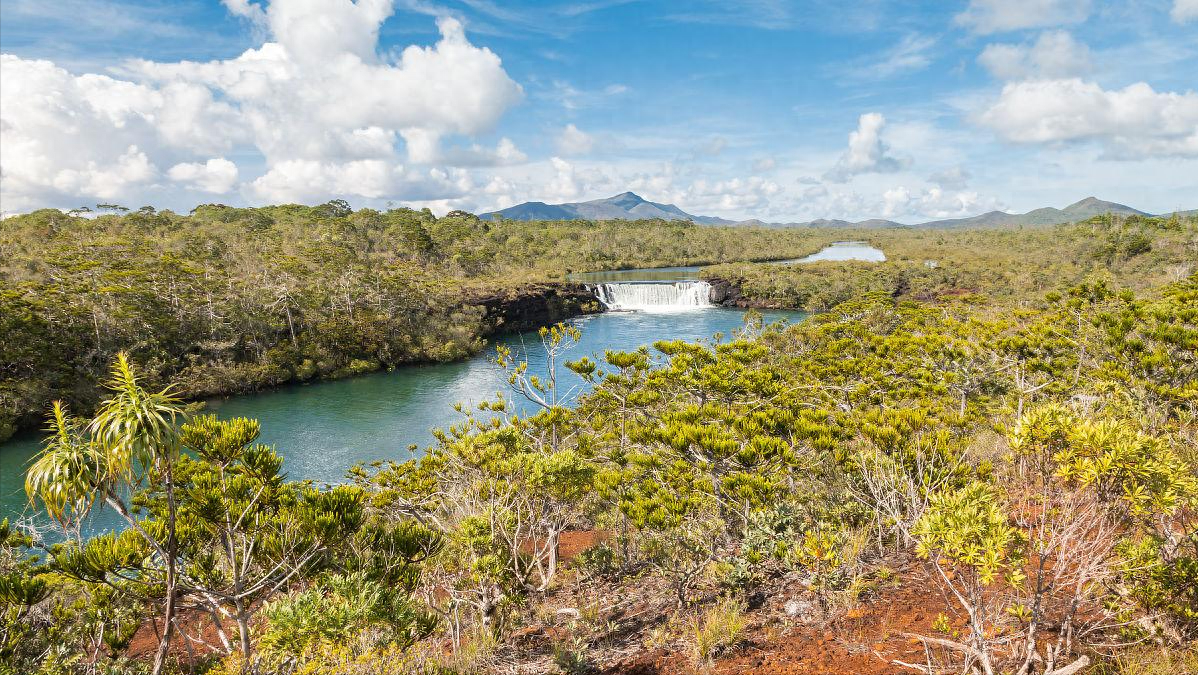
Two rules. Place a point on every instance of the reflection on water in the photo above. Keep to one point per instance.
(842, 251)
(322, 429)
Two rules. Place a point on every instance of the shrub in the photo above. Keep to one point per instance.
(341, 612)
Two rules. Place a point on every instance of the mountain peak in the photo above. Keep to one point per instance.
(624, 206)
(1092, 206)
(624, 198)
(1088, 202)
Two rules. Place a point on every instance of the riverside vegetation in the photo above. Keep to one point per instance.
(1018, 431)
(226, 300)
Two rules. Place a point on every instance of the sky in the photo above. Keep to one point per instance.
(779, 111)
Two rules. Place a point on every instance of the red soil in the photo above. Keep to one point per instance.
(864, 641)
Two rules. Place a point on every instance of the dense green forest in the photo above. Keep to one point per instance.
(225, 300)
(1010, 435)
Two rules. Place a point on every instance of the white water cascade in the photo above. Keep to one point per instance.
(654, 297)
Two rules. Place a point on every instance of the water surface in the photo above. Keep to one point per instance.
(322, 429)
(840, 251)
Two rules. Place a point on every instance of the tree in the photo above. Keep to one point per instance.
(249, 532)
(132, 440)
(966, 529)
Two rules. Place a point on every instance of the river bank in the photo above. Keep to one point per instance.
(321, 428)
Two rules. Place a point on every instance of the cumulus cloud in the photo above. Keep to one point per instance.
(996, 16)
(1184, 10)
(504, 153)
(565, 185)
(1054, 55)
(574, 141)
(736, 195)
(316, 95)
(867, 153)
(310, 181)
(218, 175)
(1132, 122)
(933, 203)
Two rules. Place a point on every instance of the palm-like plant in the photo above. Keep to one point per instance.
(133, 439)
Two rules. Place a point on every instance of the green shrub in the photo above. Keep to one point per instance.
(341, 610)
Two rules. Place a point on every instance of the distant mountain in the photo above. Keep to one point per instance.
(1083, 210)
(629, 206)
(624, 206)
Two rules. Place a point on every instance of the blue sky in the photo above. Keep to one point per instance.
(782, 111)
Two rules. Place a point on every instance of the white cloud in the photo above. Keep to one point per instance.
(1132, 122)
(218, 175)
(1054, 55)
(573, 141)
(504, 153)
(995, 16)
(1184, 10)
(312, 181)
(953, 178)
(246, 10)
(933, 203)
(736, 195)
(867, 153)
(572, 98)
(108, 181)
(317, 95)
(911, 54)
(68, 138)
(564, 185)
(895, 201)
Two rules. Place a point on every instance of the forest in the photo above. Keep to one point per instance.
(225, 300)
(978, 457)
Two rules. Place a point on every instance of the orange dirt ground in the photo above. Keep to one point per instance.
(863, 641)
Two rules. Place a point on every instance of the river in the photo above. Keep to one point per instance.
(322, 429)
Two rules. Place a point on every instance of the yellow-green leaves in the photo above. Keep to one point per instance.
(1112, 457)
(967, 526)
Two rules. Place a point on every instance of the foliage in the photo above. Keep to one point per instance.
(227, 299)
(719, 628)
(349, 610)
(1034, 446)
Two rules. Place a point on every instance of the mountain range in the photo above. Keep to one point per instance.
(630, 206)
(624, 206)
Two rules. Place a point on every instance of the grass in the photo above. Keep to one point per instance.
(1152, 660)
(719, 628)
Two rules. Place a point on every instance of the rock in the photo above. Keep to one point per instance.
(531, 306)
(802, 610)
(567, 614)
(728, 294)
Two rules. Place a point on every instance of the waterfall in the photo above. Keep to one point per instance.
(654, 297)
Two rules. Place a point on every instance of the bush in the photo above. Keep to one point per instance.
(340, 616)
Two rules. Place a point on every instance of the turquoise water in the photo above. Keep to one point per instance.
(322, 429)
